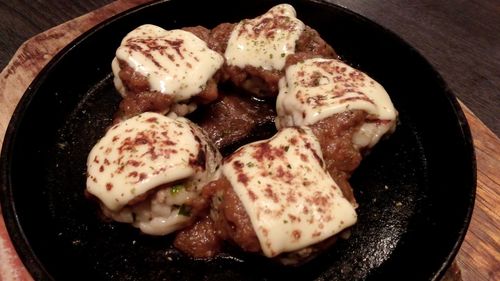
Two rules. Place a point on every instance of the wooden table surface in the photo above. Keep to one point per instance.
(460, 38)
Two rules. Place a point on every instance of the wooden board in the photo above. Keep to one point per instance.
(478, 259)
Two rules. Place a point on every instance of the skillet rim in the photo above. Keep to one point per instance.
(15, 230)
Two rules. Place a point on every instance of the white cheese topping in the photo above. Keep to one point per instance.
(175, 62)
(140, 154)
(265, 41)
(291, 200)
(319, 88)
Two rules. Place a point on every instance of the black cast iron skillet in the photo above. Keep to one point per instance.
(415, 190)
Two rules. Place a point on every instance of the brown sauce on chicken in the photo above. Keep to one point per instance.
(335, 135)
(235, 119)
(257, 81)
(199, 240)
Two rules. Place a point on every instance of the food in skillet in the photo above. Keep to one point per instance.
(346, 109)
(256, 50)
(275, 198)
(148, 171)
(165, 71)
(286, 197)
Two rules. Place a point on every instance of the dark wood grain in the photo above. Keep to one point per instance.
(461, 38)
(22, 19)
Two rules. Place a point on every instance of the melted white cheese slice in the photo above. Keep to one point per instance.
(319, 88)
(265, 41)
(291, 200)
(140, 154)
(175, 62)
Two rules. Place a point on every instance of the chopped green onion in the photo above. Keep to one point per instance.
(176, 189)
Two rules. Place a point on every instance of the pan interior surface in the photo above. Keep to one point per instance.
(415, 189)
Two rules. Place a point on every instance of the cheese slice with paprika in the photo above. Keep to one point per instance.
(319, 88)
(292, 201)
(140, 154)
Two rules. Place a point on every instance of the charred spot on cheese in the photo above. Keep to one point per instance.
(199, 160)
(318, 88)
(289, 208)
(174, 62)
(265, 41)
